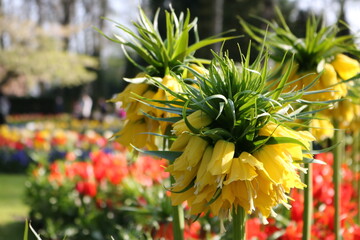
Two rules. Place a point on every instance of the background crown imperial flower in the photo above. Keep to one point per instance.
(163, 56)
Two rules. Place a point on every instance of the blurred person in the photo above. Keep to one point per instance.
(85, 105)
(5, 82)
(4, 107)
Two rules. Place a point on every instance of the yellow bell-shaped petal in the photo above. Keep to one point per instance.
(328, 78)
(180, 143)
(241, 170)
(321, 128)
(345, 66)
(133, 133)
(171, 83)
(221, 158)
(194, 151)
(197, 119)
(203, 176)
(127, 96)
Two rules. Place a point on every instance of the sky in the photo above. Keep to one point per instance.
(330, 9)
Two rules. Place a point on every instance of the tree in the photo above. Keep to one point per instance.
(37, 55)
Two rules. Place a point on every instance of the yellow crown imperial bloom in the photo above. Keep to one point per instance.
(172, 84)
(329, 80)
(197, 119)
(273, 129)
(221, 158)
(242, 169)
(136, 108)
(246, 157)
(180, 143)
(128, 95)
(355, 124)
(345, 66)
(192, 154)
(322, 128)
(279, 165)
(134, 132)
(204, 177)
(185, 167)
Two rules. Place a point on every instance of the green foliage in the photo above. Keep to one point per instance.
(319, 43)
(240, 100)
(163, 54)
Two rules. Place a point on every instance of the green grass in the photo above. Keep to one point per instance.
(13, 211)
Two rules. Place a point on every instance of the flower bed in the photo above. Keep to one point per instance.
(26, 142)
(83, 186)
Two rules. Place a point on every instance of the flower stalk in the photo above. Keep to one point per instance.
(239, 223)
(338, 153)
(178, 222)
(356, 159)
(308, 203)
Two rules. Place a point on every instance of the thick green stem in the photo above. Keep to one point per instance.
(338, 154)
(178, 222)
(177, 211)
(239, 223)
(308, 204)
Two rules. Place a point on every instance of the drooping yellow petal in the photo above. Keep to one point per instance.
(183, 178)
(206, 193)
(127, 96)
(171, 83)
(136, 108)
(276, 130)
(185, 168)
(242, 195)
(221, 158)
(180, 143)
(241, 170)
(133, 133)
(194, 150)
(203, 176)
(197, 119)
(328, 78)
(321, 128)
(345, 66)
(179, 198)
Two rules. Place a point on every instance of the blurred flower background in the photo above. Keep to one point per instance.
(58, 164)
